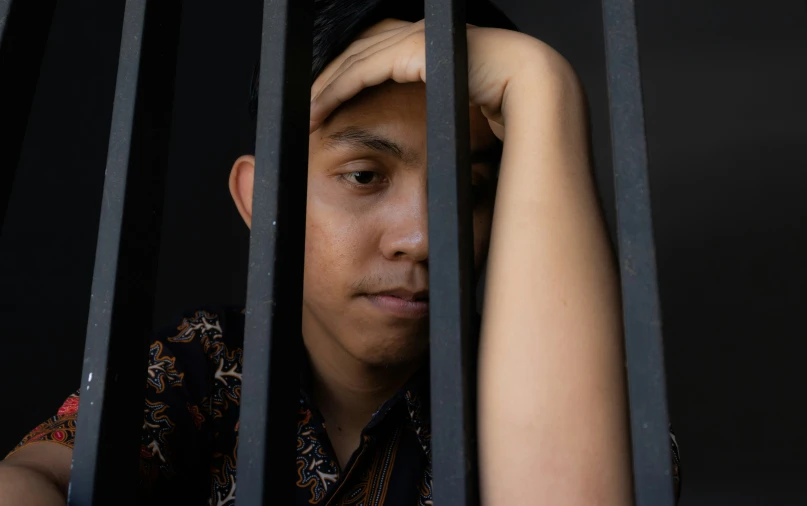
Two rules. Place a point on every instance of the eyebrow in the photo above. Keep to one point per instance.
(358, 138)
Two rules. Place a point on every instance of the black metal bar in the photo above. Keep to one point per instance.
(5, 7)
(644, 348)
(24, 27)
(110, 420)
(450, 255)
(272, 340)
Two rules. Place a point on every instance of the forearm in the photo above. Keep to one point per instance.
(551, 364)
(23, 485)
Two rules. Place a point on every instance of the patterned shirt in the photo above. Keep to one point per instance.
(188, 450)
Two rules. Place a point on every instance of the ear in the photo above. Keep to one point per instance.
(242, 178)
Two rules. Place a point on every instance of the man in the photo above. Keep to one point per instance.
(552, 417)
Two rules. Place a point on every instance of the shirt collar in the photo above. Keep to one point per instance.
(412, 399)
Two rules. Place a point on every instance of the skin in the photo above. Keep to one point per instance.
(551, 370)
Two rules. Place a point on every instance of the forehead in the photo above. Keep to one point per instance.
(398, 110)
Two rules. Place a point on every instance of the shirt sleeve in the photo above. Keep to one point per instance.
(174, 440)
(59, 429)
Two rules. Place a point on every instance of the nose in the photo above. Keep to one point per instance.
(406, 234)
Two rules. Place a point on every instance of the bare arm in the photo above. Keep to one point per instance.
(36, 475)
(551, 379)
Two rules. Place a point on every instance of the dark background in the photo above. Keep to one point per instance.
(724, 89)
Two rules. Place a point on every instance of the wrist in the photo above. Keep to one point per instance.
(545, 85)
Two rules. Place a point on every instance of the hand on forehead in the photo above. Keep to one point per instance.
(394, 50)
(383, 26)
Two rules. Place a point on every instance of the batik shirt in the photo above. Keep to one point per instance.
(189, 442)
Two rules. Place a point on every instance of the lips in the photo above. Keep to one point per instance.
(401, 303)
(400, 293)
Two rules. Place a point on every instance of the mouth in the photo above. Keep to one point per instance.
(401, 303)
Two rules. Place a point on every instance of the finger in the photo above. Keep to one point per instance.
(365, 53)
(346, 59)
(358, 46)
(384, 26)
(363, 48)
(403, 63)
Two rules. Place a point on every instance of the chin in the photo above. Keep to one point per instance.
(390, 348)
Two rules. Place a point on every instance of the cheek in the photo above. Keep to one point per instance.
(324, 252)
(336, 246)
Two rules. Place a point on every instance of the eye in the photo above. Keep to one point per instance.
(362, 177)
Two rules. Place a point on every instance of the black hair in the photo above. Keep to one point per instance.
(338, 22)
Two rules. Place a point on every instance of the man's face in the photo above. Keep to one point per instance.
(367, 250)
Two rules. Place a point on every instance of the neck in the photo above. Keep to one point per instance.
(348, 391)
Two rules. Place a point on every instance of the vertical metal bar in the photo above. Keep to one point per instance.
(272, 340)
(652, 473)
(5, 6)
(110, 420)
(24, 27)
(450, 254)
